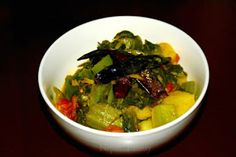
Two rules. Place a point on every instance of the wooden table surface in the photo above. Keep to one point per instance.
(27, 29)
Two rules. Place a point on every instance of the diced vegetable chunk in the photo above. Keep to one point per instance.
(99, 94)
(162, 114)
(68, 107)
(56, 95)
(130, 123)
(189, 86)
(118, 122)
(142, 114)
(103, 63)
(168, 51)
(181, 79)
(145, 125)
(101, 116)
(181, 100)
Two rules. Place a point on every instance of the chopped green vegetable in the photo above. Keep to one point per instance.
(83, 73)
(55, 95)
(100, 93)
(138, 97)
(103, 63)
(151, 49)
(104, 45)
(130, 122)
(175, 69)
(124, 34)
(189, 86)
(111, 96)
(70, 90)
(83, 110)
(142, 114)
(126, 40)
(162, 114)
(101, 116)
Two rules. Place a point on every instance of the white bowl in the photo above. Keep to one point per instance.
(61, 58)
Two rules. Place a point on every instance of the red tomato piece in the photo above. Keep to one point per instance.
(177, 58)
(68, 108)
(169, 87)
(114, 128)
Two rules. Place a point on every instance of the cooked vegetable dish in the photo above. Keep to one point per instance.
(126, 85)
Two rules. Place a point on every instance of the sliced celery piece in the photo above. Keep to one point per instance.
(111, 96)
(101, 116)
(103, 63)
(189, 86)
(162, 114)
(101, 93)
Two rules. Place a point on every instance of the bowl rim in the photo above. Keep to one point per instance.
(125, 134)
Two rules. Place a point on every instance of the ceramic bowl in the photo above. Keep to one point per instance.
(61, 58)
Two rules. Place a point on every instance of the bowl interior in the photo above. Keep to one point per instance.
(61, 58)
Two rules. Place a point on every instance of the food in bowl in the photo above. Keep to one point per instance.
(126, 85)
(60, 59)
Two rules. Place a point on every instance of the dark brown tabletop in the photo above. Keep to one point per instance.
(27, 29)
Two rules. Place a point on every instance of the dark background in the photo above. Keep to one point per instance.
(28, 28)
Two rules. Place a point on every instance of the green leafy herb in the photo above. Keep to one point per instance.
(70, 90)
(151, 49)
(130, 122)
